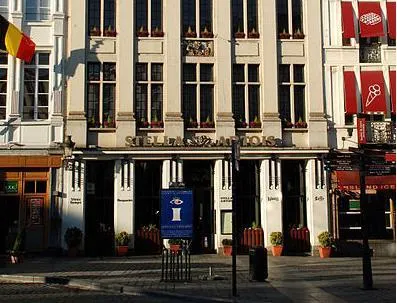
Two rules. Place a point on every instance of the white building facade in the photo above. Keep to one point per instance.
(156, 92)
(31, 126)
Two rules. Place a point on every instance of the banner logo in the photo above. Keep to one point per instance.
(374, 91)
(370, 19)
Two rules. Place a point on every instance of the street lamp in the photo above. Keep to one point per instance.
(68, 146)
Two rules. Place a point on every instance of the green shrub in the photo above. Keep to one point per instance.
(325, 239)
(73, 236)
(227, 242)
(276, 238)
(122, 238)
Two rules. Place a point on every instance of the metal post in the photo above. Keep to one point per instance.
(367, 268)
(235, 168)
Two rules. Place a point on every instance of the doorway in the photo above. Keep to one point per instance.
(199, 176)
(99, 211)
(9, 221)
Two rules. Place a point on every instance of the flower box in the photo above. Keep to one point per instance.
(253, 35)
(239, 35)
(157, 33)
(241, 124)
(192, 124)
(299, 36)
(110, 33)
(206, 34)
(190, 35)
(156, 124)
(95, 32)
(207, 124)
(143, 124)
(254, 124)
(301, 124)
(284, 35)
(142, 33)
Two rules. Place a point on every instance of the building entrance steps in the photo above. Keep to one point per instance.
(291, 279)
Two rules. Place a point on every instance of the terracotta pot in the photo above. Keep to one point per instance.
(325, 252)
(277, 250)
(227, 250)
(121, 250)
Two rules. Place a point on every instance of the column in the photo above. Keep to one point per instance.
(271, 197)
(317, 201)
(124, 198)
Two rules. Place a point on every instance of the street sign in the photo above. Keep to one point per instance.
(377, 166)
(347, 162)
(176, 214)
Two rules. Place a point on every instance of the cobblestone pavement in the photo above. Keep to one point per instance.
(291, 279)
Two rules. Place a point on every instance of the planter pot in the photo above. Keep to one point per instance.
(325, 252)
(122, 250)
(277, 250)
(174, 248)
(227, 250)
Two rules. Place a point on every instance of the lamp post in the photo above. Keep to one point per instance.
(235, 169)
(68, 146)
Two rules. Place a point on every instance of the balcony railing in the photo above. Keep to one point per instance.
(370, 54)
(381, 132)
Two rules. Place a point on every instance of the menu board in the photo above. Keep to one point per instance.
(36, 210)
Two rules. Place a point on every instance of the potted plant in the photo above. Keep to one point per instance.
(277, 241)
(206, 33)
(73, 237)
(256, 123)
(300, 123)
(298, 34)
(287, 124)
(227, 247)
(94, 31)
(110, 32)
(122, 240)
(253, 34)
(239, 34)
(207, 123)
(190, 33)
(284, 35)
(157, 32)
(175, 245)
(241, 124)
(16, 253)
(326, 243)
(156, 123)
(142, 32)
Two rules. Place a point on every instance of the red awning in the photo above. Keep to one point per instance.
(391, 19)
(392, 75)
(350, 92)
(373, 92)
(347, 20)
(350, 180)
(370, 19)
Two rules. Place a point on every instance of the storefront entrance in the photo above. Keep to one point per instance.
(9, 218)
(99, 210)
(198, 175)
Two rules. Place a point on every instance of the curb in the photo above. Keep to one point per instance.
(86, 285)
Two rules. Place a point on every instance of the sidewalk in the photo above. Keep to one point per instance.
(291, 279)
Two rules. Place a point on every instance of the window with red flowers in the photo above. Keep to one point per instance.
(102, 18)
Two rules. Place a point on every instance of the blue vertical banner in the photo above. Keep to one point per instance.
(176, 214)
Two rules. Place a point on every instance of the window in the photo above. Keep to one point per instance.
(245, 18)
(4, 8)
(37, 10)
(102, 17)
(3, 84)
(200, 10)
(149, 95)
(290, 19)
(146, 10)
(292, 95)
(101, 94)
(36, 87)
(246, 95)
(198, 95)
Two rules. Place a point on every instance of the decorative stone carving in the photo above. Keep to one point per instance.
(198, 48)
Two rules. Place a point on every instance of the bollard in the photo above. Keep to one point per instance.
(258, 268)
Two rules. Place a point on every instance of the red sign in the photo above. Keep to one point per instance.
(373, 91)
(350, 180)
(361, 131)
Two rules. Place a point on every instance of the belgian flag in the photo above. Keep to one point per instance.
(16, 43)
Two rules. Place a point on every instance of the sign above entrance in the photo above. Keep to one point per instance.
(176, 214)
(199, 141)
(11, 187)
